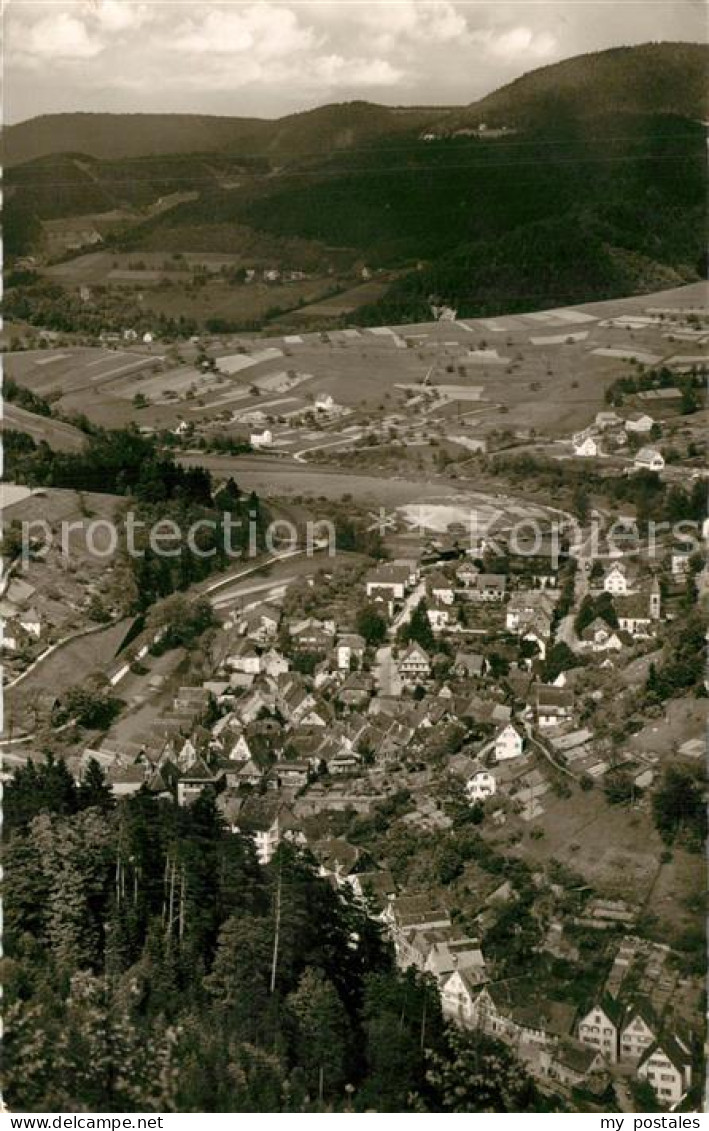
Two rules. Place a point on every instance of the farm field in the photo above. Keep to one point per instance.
(518, 379)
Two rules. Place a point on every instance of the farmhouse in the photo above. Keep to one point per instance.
(617, 579)
(261, 439)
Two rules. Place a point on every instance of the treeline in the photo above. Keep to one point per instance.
(645, 490)
(225, 523)
(691, 386)
(115, 461)
(153, 965)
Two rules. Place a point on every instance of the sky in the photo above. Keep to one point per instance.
(264, 58)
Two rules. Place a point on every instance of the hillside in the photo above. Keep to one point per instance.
(598, 189)
(112, 137)
(653, 78)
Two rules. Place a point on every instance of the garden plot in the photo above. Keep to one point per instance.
(235, 362)
(627, 355)
(486, 357)
(560, 339)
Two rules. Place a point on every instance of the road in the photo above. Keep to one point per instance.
(385, 673)
(409, 605)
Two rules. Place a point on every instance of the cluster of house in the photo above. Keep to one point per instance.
(614, 431)
(557, 1042)
(637, 603)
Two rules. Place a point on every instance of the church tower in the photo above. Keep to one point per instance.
(655, 600)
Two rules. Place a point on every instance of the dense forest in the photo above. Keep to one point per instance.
(152, 964)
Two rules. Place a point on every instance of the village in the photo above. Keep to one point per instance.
(371, 711)
(465, 728)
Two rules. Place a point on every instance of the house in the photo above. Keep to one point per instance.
(375, 888)
(617, 579)
(31, 622)
(599, 1029)
(554, 705)
(469, 665)
(356, 690)
(262, 624)
(192, 781)
(324, 402)
(480, 785)
(459, 991)
(667, 1067)
(508, 743)
(349, 647)
(680, 565)
(649, 459)
(511, 1012)
(273, 663)
(389, 580)
(261, 439)
(491, 586)
(125, 780)
(414, 665)
(439, 617)
(244, 658)
(267, 821)
(573, 1064)
(586, 446)
(467, 575)
(633, 615)
(441, 589)
(608, 419)
(600, 637)
(312, 635)
(639, 1030)
(639, 423)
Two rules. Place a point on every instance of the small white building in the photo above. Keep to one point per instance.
(481, 785)
(508, 743)
(616, 579)
(649, 459)
(639, 422)
(587, 446)
(261, 439)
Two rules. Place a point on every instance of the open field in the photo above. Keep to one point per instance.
(62, 437)
(518, 382)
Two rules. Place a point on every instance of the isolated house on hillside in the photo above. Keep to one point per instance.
(649, 459)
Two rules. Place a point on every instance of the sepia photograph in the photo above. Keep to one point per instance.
(354, 591)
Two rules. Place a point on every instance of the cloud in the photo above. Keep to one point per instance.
(261, 31)
(271, 57)
(59, 36)
(521, 43)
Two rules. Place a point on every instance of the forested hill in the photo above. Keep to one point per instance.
(151, 964)
(112, 137)
(653, 78)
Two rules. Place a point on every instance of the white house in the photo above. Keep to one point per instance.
(600, 637)
(616, 579)
(350, 646)
(393, 580)
(639, 1030)
(458, 993)
(667, 1067)
(438, 617)
(261, 439)
(586, 446)
(508, 743)
(441, 589)
(481, 785)
(554, 705)
(31, 622)
(324, 402)
(599, 1029)
(639, 422)
(649, 459)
